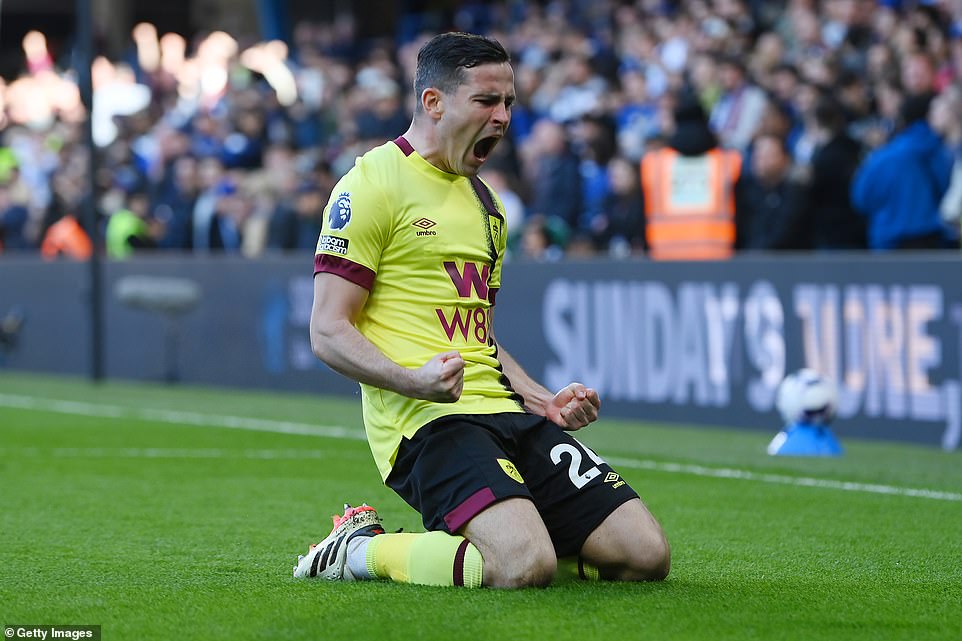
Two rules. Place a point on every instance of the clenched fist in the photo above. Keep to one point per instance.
(574, 407)
(441, 379)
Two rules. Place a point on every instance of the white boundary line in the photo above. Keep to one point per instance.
(197, 419)
(81, 408)
(167, 452)
(779, 479)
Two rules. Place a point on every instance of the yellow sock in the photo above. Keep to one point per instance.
(578, 567)
(428, 558)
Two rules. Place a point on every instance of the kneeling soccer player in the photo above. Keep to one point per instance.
(407, 268)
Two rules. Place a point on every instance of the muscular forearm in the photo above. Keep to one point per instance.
(573, 407)
(535, 395)
(336, 341)
(345, 350)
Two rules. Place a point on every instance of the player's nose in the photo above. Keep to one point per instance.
(501, 115)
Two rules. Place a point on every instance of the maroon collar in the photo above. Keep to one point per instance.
(404, 145)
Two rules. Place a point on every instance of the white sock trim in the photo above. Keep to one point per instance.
(357, 557)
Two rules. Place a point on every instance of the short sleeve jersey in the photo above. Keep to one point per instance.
(429, 252)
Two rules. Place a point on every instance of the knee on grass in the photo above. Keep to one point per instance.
(646, 561)
(530, 565)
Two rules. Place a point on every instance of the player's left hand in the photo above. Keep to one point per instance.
(574, 407)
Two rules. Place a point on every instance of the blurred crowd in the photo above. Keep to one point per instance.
(225, 144)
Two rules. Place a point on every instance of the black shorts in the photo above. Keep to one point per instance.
(456, 466)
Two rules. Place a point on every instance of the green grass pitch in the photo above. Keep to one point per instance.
(176, 513)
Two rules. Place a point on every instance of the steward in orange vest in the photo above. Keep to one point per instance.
(66, 238)
(689, 191)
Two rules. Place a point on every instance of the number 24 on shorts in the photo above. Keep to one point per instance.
(578, 478)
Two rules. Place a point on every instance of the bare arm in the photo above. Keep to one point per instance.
(336, 341)
(536, 396)
(572, 408)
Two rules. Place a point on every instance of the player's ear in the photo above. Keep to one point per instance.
(433, 102)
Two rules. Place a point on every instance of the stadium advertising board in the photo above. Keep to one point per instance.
(689, 344)
(685, 342)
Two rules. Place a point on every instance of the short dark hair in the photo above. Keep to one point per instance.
(443, 59)
(914, 108)
(829, 113)
(688, 108)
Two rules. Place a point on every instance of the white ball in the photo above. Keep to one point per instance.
(807, 397)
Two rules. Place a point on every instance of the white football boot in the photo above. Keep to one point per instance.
(328, 559)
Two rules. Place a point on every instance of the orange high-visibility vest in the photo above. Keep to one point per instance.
(690, 204)
(66, 238)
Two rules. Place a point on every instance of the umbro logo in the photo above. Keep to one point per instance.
(424, 225)
(613, 478)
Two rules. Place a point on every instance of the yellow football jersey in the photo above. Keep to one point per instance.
(429, 251)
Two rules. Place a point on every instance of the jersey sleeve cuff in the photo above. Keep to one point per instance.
(346, 269)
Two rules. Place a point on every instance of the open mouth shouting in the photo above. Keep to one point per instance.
(484, 147)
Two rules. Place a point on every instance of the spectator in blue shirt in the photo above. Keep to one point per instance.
(899, 186)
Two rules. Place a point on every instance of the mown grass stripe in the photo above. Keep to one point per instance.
(338, 432)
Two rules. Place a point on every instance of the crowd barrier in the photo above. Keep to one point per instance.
(695, 343)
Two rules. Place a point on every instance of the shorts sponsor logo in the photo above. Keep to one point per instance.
(332, 244)
(424, 226)
(614, 479)
(510, 469)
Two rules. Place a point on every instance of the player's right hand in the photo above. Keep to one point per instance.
(442, 378)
